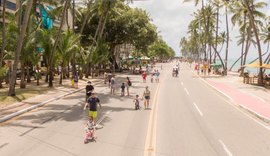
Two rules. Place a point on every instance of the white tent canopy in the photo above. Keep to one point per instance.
(145, 58)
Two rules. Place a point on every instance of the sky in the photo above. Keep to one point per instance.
(173, 16)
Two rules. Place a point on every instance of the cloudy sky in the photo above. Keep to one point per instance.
(172, 18)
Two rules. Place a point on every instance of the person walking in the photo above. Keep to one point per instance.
(123, 86)
(144, 75)
(89, 88)
(109, 78)
(92, 103)
(76, 80)
(157, 76)
(128, 84)
(105, 77)
(112, 84)
(137, 102)
(146, 96)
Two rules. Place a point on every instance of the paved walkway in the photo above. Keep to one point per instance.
(18, 108)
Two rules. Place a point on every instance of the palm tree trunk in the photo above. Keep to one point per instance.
(216, 32)
(61, 74)
(3, 33)
(28, 74)
(55, 44)
(29, 5)
(86, 17)
(246, 50)
(215, 50)
(227, 42)
(250, 12)
(22, 84)
(38, 75)
(268, 56)
(73, 16)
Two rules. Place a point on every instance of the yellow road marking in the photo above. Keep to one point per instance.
(150, 142)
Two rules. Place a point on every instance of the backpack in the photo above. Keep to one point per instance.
(129, 83)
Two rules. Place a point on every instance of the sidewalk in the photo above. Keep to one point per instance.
(18, 108)
(252, 98)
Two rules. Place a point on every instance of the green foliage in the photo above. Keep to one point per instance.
(124, 25)
(3, 71)
(67, 47)
(101, 53)
(161, 50)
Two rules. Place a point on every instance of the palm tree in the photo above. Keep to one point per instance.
(86, 15)
(249, 6)
(19, 47)
(50, 63)
(3, 39)
(68, 44)
(265, 36)
(3, 34)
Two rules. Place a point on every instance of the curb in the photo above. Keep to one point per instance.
(263, 118)
(10, 116)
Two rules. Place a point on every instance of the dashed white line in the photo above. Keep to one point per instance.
(200, 112)
(225, 148)
(103, 117)
(186, 91)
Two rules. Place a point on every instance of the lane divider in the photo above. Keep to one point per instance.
(150, 142)
(186, 91)
(225, 148)
(195, 105)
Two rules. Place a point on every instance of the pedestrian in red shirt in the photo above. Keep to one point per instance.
(144, 76)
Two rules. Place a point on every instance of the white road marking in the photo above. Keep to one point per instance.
(103, 117)
(182, 83)
(225, 148)
(200, 112)
(232, 103)
(186, 91)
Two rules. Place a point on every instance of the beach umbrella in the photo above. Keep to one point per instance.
(253, 65)
(266, 66)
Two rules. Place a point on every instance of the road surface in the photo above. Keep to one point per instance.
(187, 118)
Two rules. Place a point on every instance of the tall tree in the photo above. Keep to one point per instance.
(28, 9)
(50, 64)
(249, 7)
(3, 33)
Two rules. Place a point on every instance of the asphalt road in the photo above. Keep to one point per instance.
(187, 118)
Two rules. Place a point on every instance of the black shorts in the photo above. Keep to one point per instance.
(147, 97)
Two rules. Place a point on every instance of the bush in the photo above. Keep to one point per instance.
(3, 71)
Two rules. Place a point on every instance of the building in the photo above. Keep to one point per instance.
(11, 5)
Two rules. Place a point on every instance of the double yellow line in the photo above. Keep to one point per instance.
(150, 142)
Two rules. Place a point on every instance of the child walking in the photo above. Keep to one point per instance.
(123, 89)
(137, 102)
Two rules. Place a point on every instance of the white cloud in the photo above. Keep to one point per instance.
(173, 16)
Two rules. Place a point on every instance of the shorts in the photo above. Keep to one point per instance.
(147, 97)
(92, 114)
